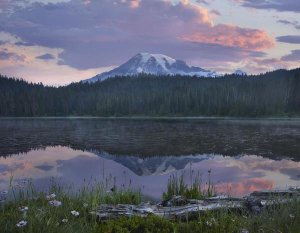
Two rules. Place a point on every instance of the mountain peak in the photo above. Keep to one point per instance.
(156, 64)
(240, 72)
(160, 58)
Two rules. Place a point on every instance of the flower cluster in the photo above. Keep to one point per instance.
(22, 223)
(75, 213)
(55, 203)
(52, 201)
(23, 208)
(51, 196)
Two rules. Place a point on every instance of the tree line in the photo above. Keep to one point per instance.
(275, 93)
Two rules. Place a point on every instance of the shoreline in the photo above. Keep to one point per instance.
(155, 118)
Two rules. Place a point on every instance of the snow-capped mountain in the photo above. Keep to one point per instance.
(155, 165)
(157, 64)
(240, 72)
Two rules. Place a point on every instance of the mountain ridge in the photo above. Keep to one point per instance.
(156, 64)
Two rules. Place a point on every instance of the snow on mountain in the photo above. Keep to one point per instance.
(155, 165)
(240, 72)
(157, 64)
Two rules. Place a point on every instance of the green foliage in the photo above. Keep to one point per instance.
(274, 93)
(136, 225)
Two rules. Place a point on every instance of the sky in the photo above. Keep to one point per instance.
(57, 42)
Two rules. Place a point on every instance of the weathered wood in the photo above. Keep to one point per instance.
(180, 208)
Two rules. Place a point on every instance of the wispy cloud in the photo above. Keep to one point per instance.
(46, 57)
(295, 24)
(291, 39)
(4, 55)
(279, 5)
(293, 56)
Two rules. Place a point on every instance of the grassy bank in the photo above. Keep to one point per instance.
(63, 211)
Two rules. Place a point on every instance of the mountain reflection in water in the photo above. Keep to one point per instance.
(243, 155)
(231, 175)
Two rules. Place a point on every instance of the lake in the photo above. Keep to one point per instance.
(241, 155)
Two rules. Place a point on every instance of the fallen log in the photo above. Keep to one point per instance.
(179, 207)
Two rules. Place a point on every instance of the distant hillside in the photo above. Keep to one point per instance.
(273, 94)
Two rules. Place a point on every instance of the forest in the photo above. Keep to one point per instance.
(274, 93)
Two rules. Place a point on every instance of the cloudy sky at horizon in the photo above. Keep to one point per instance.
(63, 41)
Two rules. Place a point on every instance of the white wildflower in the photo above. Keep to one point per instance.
(51, 196)
(292, 216)
(21, 223)
(55, 203)
(263, 202)
(85, 205)
(208, 223)
(65, 220)
(23, 208)
(75, 213)
(5, 192)
(244, 231)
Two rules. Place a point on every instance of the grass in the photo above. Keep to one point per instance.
(42, 217)
(194, 190)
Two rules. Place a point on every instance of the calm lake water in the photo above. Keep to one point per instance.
(243, 155)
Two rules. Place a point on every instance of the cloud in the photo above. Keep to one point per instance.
(262, 65)
(11, 56)
(291, 39)
(295, 24)
(21, 61)
(44, 167)
(22, 43)
(293, 56)
(4, 168)
(6, 37)
(206, 2)
(279, 5)
(246, 186)
(93, 34)
(234, 36)
(215, 12)
(46, 57)
(134, 3)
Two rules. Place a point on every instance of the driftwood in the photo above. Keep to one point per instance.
(181, 208)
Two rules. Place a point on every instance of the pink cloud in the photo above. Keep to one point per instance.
(234, 36)
(245, 187)
(135, 3)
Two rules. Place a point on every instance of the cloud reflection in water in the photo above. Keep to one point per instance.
(234, 175)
